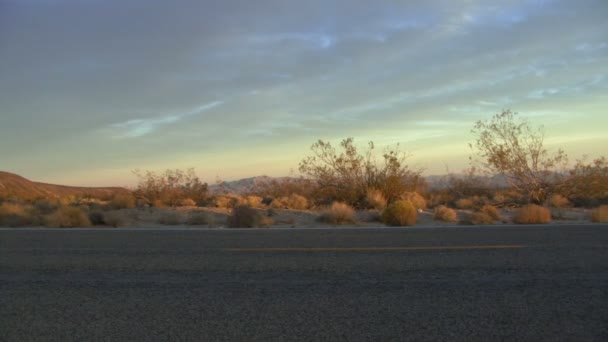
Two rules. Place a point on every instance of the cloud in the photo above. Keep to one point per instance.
(139, 127)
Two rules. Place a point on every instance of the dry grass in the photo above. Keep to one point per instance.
(532, 214)
(375, 199)
(293, 201)
(15, 215)
(254, 201)
(600, 214)
(169, 219)
(477, 218)
(465, 203)
(68, 217)
(491, 211)
(558, 201)
(445, 214)
(400, 213)
(338, 213)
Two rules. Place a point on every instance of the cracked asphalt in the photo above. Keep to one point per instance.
(525, 283)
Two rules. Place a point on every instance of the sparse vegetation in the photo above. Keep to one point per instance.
(122, 201)
(400, 213)
(465, 203)
(338, 213)
(170, 187)
(199, 219)
(443, 213)
(68, 217)
(491, 211)
(415, 198)
(600, 215)
(116, 219)
(187, 202)
(532, 214)
(14, 215)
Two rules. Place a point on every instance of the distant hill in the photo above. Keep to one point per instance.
(242, 186)
(15, 186)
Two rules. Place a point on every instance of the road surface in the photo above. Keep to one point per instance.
(403, 284)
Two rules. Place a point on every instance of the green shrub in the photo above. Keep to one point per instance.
(400, 213)
(491, 211)
(532, 214)
(476, 218)
(338, 213)
(375, 199)
(443, 213)
(68, 217)
(600, 214)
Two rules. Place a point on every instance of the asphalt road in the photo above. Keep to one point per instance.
(445, 284)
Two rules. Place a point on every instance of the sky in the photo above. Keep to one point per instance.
(91, 90)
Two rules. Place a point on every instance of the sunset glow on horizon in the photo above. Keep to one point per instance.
(91, 90)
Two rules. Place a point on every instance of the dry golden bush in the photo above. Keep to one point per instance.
(338, 213)
(558, 201)
(187, 202)
(169, 219)
(375, 199)
(532, 214)
(254, 201)
(297, 202)
(122, 201)
(491, 211)
(68, 217)
(14, 215)
(477, 217)
(415, 199)
(600, 214)
(465, 203)
(400, 213)
(443, 213)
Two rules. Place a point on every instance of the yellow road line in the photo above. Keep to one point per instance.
(372, 249)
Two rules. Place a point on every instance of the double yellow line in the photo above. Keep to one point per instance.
(373, 249)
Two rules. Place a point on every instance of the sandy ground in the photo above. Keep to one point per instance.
(286, 218)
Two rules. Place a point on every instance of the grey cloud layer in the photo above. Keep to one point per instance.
(275, 70)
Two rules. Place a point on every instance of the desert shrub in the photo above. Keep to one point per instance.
(415, 199)
(400, 213)
(375, 199)
(532, 214)
(271, 212)
(68, 217)
(443, 213)
(558, 201)
(170, 187)
(478, 217)
(199, 219)
(187, 202)
(169, 219)
(158, 204)
(46, 206)
(338, 213)
(122, 201)
(587, 183)
(14, 215)
(465, 203)
(279, 203)
(254, 201)
(97, 218)
(228, 201)
(116, 219)
(600, 214)
(246, 217)
(297, 202)
(491, 211)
